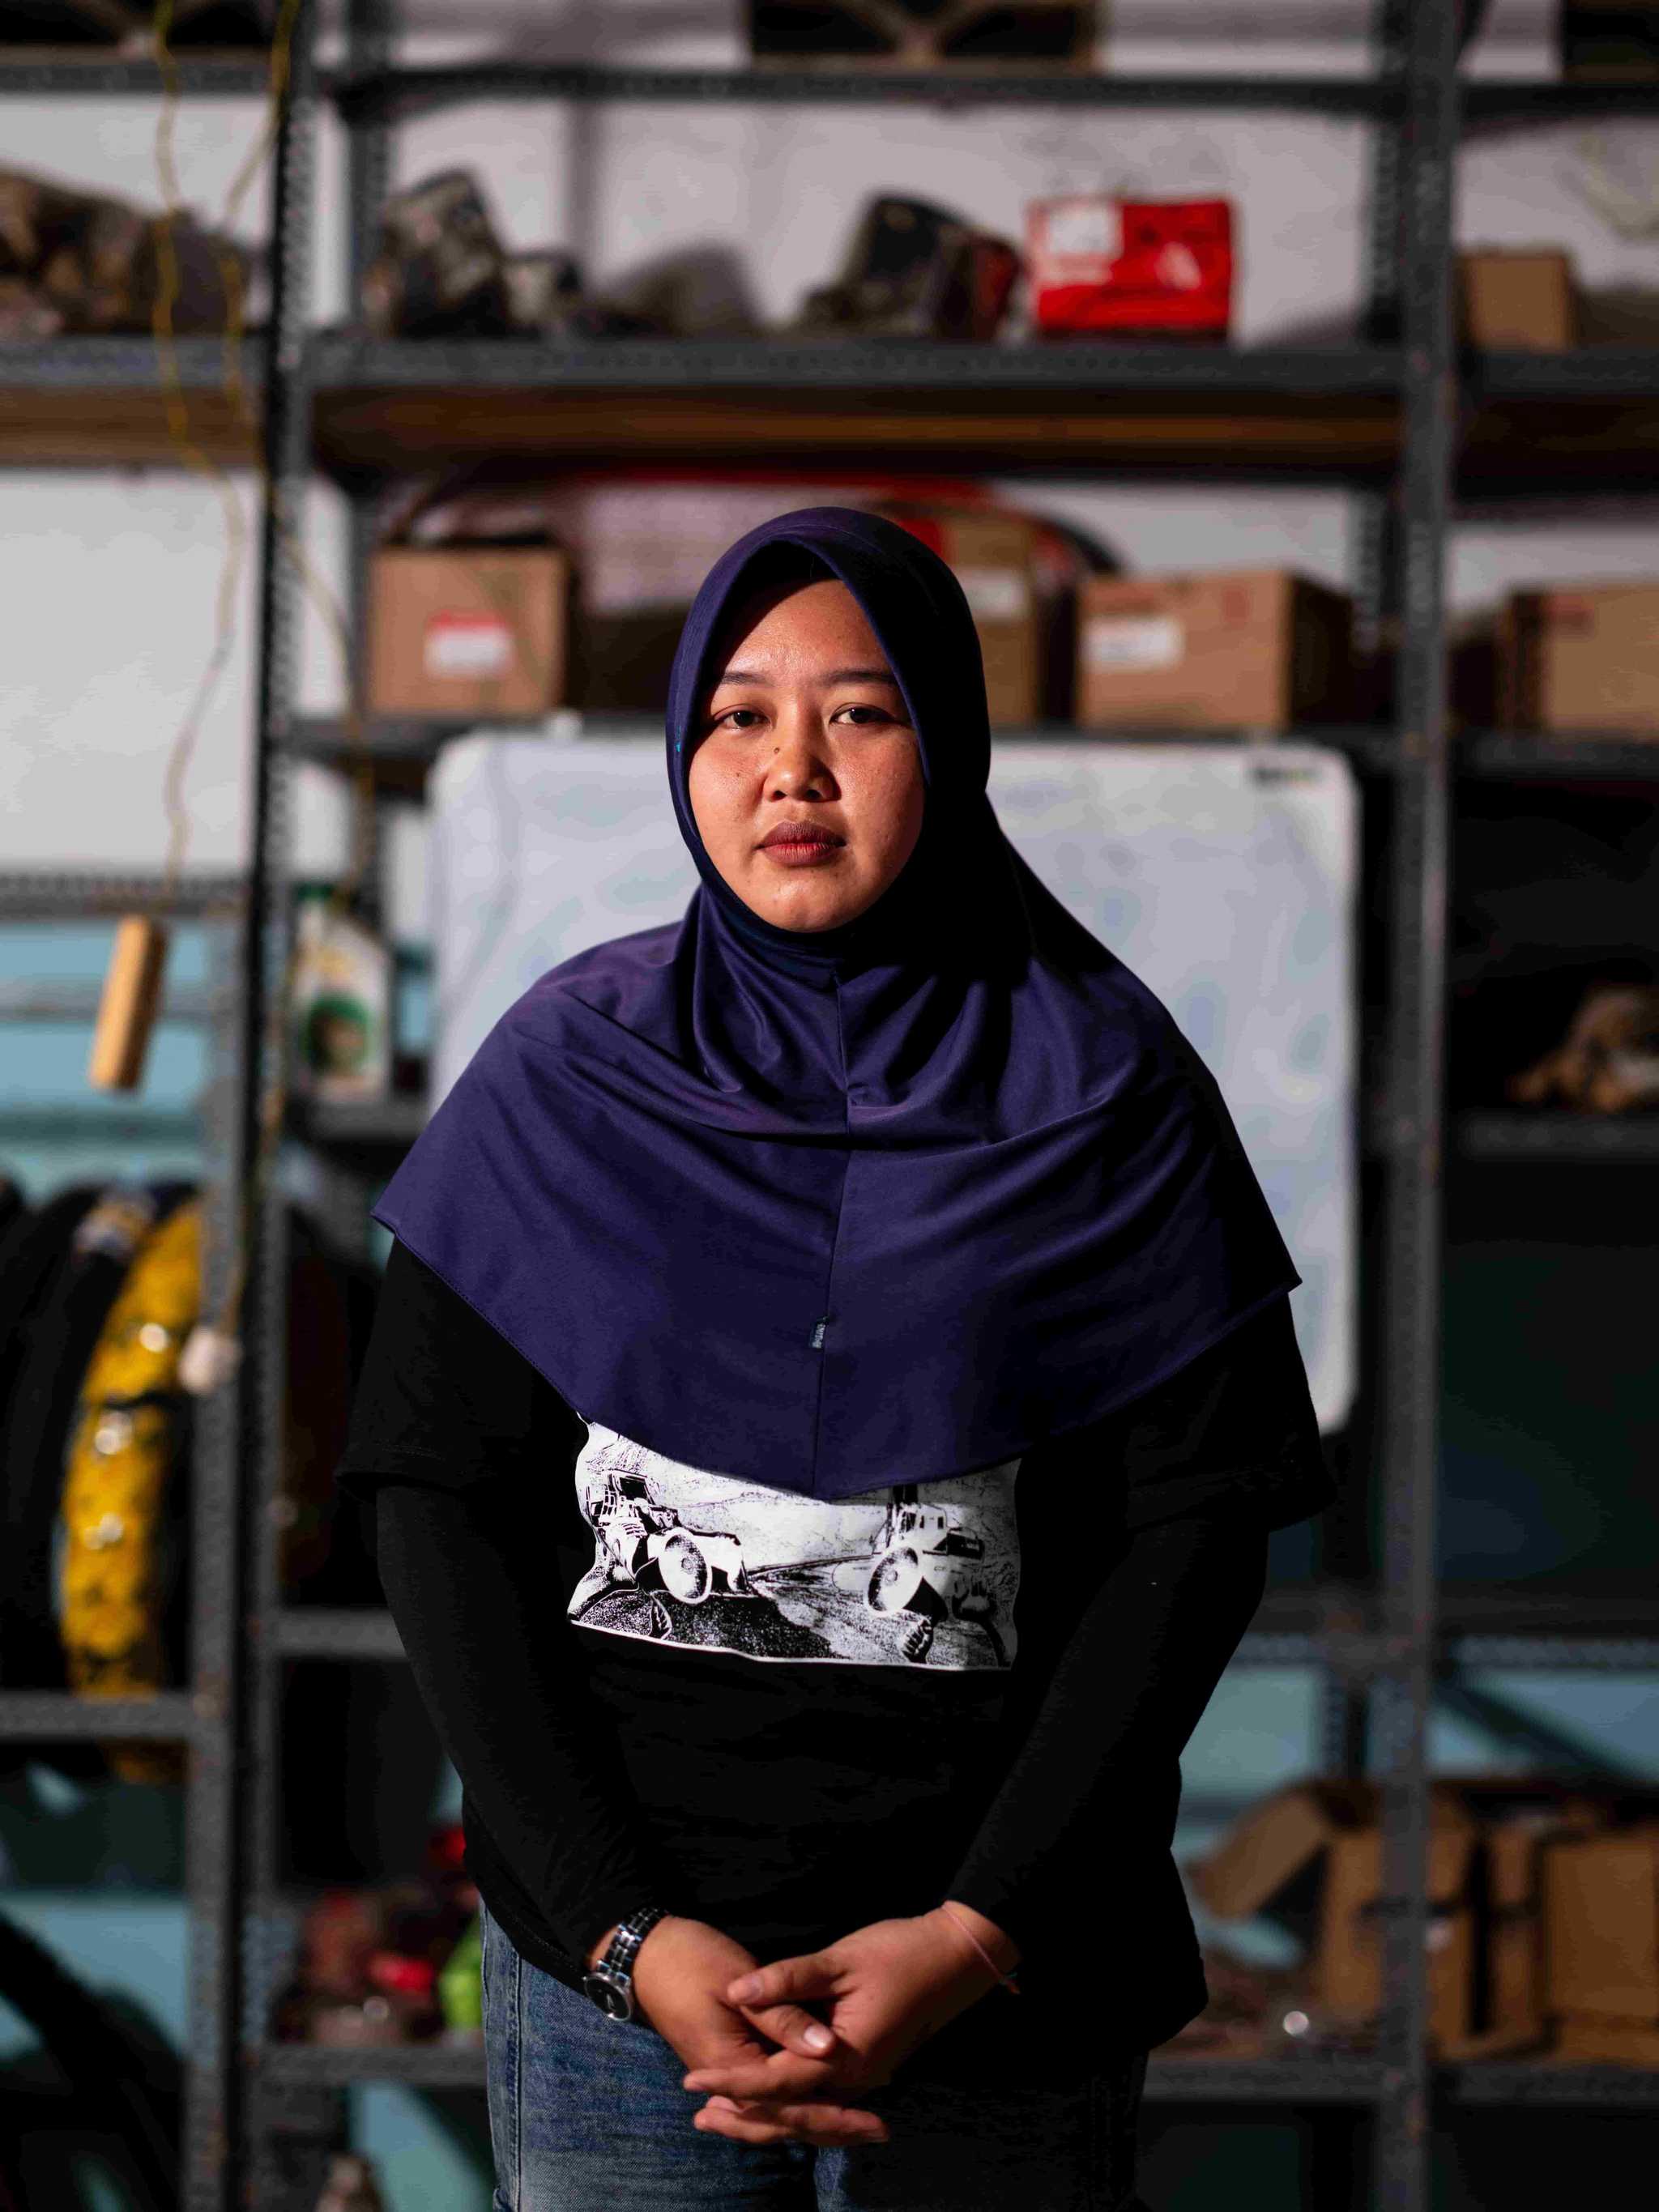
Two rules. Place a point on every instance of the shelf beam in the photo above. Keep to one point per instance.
(85, 72)
(58, 1717)
(840, 84)
(102, 403)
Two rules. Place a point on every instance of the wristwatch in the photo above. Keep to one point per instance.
(610, 1983)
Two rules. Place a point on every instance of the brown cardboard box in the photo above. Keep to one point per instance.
(992, 554)
(1518, 302)
(1258, 649)
(462, 630)
(1334, 1823)
(1516, 1852)
(1488, 1841)
(1602, 1910)
(1581, 658)
(1615, 2042)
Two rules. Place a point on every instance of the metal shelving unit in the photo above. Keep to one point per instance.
(82, 72)
(1405, 423)
(1402, 418)
(202, 1717)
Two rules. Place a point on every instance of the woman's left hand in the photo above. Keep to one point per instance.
(885, 1990)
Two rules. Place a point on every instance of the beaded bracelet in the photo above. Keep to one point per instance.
(1007, 1980)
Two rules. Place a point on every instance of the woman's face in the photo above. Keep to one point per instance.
(805, 781)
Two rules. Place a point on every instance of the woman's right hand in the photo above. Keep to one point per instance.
(680, 1973)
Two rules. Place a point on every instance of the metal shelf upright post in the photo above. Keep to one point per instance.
(254, 2174)
(1408, 1382)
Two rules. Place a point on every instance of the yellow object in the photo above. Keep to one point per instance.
(122, 1456)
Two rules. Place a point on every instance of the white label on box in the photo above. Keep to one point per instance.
(467, 645)
(1085, 226)
(1177, 267)
(995, 594)
(1132, 641)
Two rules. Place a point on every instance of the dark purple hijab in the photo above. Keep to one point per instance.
(878, 1204)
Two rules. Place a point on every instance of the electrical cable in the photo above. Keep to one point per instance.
(213, 1359)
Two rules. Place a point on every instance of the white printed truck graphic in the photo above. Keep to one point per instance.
(908, 1574)
(643, 1542)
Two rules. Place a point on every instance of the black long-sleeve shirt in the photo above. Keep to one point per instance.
(791, 1719)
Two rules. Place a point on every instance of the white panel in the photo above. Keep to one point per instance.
(1225, 876)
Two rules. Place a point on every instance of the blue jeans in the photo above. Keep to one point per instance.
(587, 2115)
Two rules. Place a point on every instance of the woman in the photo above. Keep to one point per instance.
(832, 1387)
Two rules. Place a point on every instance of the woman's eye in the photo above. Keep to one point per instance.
(737, 717)
(862, 718)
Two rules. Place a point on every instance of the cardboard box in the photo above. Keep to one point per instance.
(1257, 649)
(464, 630)
(915, 34)
(1131, 268)
(1581, 659)
(1601, 1909)
(1317, 1847)
(991, 555)
(1606, 2042)
(1610, 41)
(1332, 1825)
(1518, 302)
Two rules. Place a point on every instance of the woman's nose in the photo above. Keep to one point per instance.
(798, 765)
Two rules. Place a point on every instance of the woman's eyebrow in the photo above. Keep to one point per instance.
(836, 675)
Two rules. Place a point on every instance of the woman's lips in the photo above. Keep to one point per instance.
(801, 852)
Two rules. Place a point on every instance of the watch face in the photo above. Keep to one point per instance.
(611, 1992)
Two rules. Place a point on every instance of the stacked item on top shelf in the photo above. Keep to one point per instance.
(1258, 649)
(1097, 266)
(101, 1293)
(1542, 1934)
(441, 270)
(497, 596)
(399, 1963)
(914, 271)
(920, 35)
(500, 596)
(130, 27)
(1518, 300)
(1100, 266)
(1609, 41)
(76, 262)
(1581, 660)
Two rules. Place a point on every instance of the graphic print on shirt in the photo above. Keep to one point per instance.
(912, 1575)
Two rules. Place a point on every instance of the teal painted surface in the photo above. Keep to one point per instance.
(432, 2153)
(130, 1947)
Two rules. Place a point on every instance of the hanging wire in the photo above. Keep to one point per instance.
(214, 1360)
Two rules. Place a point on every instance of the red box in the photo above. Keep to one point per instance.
(1139, 268)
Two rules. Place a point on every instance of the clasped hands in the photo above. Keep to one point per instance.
(772, 2070)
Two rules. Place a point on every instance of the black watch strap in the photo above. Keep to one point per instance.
(610, 1983)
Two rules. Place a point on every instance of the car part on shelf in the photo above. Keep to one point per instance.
(914, 271)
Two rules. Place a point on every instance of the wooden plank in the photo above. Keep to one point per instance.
(44, 426)
(393, 429)
(1509, 444)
